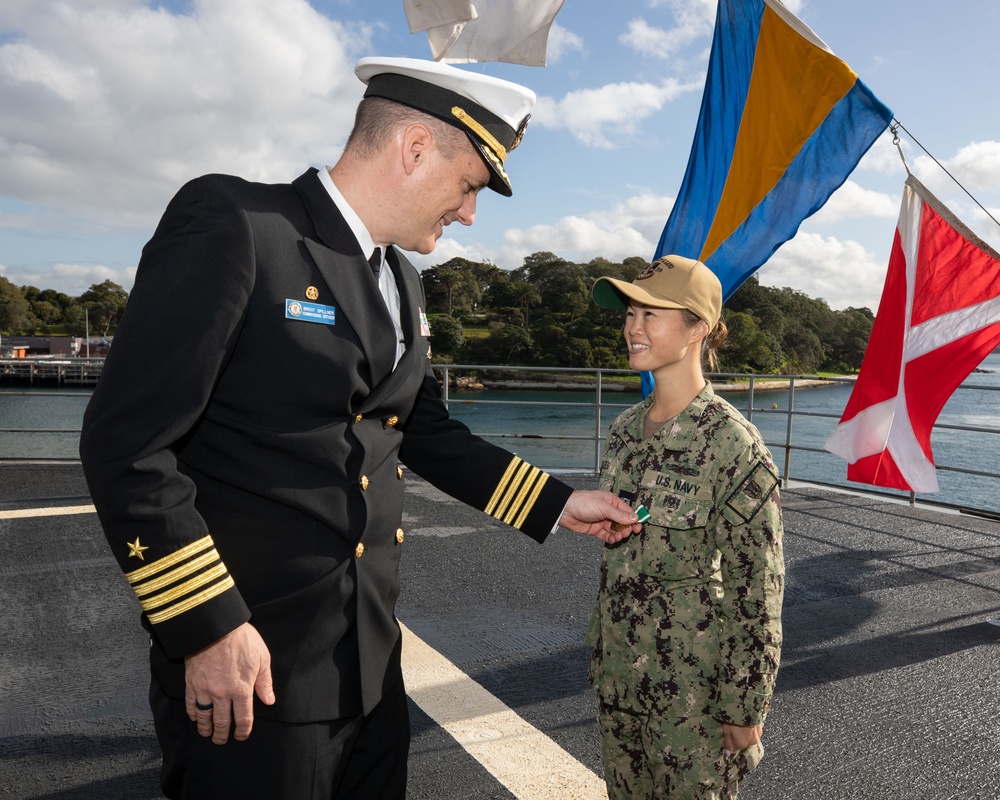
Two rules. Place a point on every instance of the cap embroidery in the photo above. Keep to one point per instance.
(649, 272)
(499, 151)
(520, 132)
(497, 165)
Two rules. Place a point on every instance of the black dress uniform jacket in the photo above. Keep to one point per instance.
(244, 461)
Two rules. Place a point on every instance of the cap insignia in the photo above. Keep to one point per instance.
(520, 132)
(649, 271)
(499, 151)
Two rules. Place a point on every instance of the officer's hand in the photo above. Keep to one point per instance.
(227, 674)
(740, 737)
(595, 513)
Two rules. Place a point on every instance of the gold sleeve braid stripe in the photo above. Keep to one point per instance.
(180, 581)
(194, 600)
(175, 575)
(544, 476)
(168, 561)
(516, 492)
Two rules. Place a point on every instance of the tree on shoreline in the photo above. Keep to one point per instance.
(15, 312)
(547, 300)
(47, 312)
(771, 330)
(105, 304)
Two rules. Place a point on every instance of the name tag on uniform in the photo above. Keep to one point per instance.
(310, 312)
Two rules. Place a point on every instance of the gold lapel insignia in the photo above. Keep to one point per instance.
(312, 293)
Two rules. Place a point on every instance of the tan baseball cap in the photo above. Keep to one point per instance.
(669, 282)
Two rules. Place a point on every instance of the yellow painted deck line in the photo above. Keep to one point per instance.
(530, 764)
(61, 511)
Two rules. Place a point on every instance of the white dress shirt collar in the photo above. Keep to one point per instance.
(350, 215)
(386, 280)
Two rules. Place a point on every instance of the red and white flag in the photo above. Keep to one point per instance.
(939, 317)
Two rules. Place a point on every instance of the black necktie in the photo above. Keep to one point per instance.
(375, 262)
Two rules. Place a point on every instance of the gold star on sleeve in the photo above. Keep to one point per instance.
(135, 549)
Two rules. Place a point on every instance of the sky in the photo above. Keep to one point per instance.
(108, 106)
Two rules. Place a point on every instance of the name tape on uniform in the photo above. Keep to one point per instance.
(310, 312)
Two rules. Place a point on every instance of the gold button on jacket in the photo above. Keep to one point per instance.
(399, 535)
(359, 550)
(399, 473)
(392, 421)
(364, 483)
(357, 419)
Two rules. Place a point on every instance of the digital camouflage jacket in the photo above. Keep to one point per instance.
(688, 618)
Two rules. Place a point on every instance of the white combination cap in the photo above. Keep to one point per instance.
(493, 112)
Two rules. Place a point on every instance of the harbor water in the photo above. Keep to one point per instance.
(570, 421)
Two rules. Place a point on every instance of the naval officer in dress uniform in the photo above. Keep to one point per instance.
(243, 445)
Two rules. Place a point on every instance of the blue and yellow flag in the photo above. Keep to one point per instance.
(783, 123)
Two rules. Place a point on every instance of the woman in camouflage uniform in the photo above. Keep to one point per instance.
(687, 629)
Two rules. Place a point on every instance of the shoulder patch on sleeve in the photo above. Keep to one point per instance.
(751, 494)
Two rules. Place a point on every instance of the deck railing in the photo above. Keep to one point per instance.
(594, 389)
(782, 448)
(599, 378)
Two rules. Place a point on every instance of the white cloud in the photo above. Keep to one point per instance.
(793, 5)
(118, 103)
(851, 201)
(656, 42)
(562, 41)
(605, 116)
(71, 279)
(841, 272)
(695, 20)
(883, 157)
(631, 227)
(647, 40)
(977, 165)
(449, 248)
(577, 237)
(974, 173)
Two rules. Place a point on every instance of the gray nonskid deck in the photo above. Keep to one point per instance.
(888, 689)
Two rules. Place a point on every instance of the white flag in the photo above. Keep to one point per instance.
(465, 31)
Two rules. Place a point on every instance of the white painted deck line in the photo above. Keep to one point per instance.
(526, 761)
(22, 513)
(530, 764)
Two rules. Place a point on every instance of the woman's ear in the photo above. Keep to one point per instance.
(698, 331)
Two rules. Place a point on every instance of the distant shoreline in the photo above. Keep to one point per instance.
(779, 384)
(611, 385)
